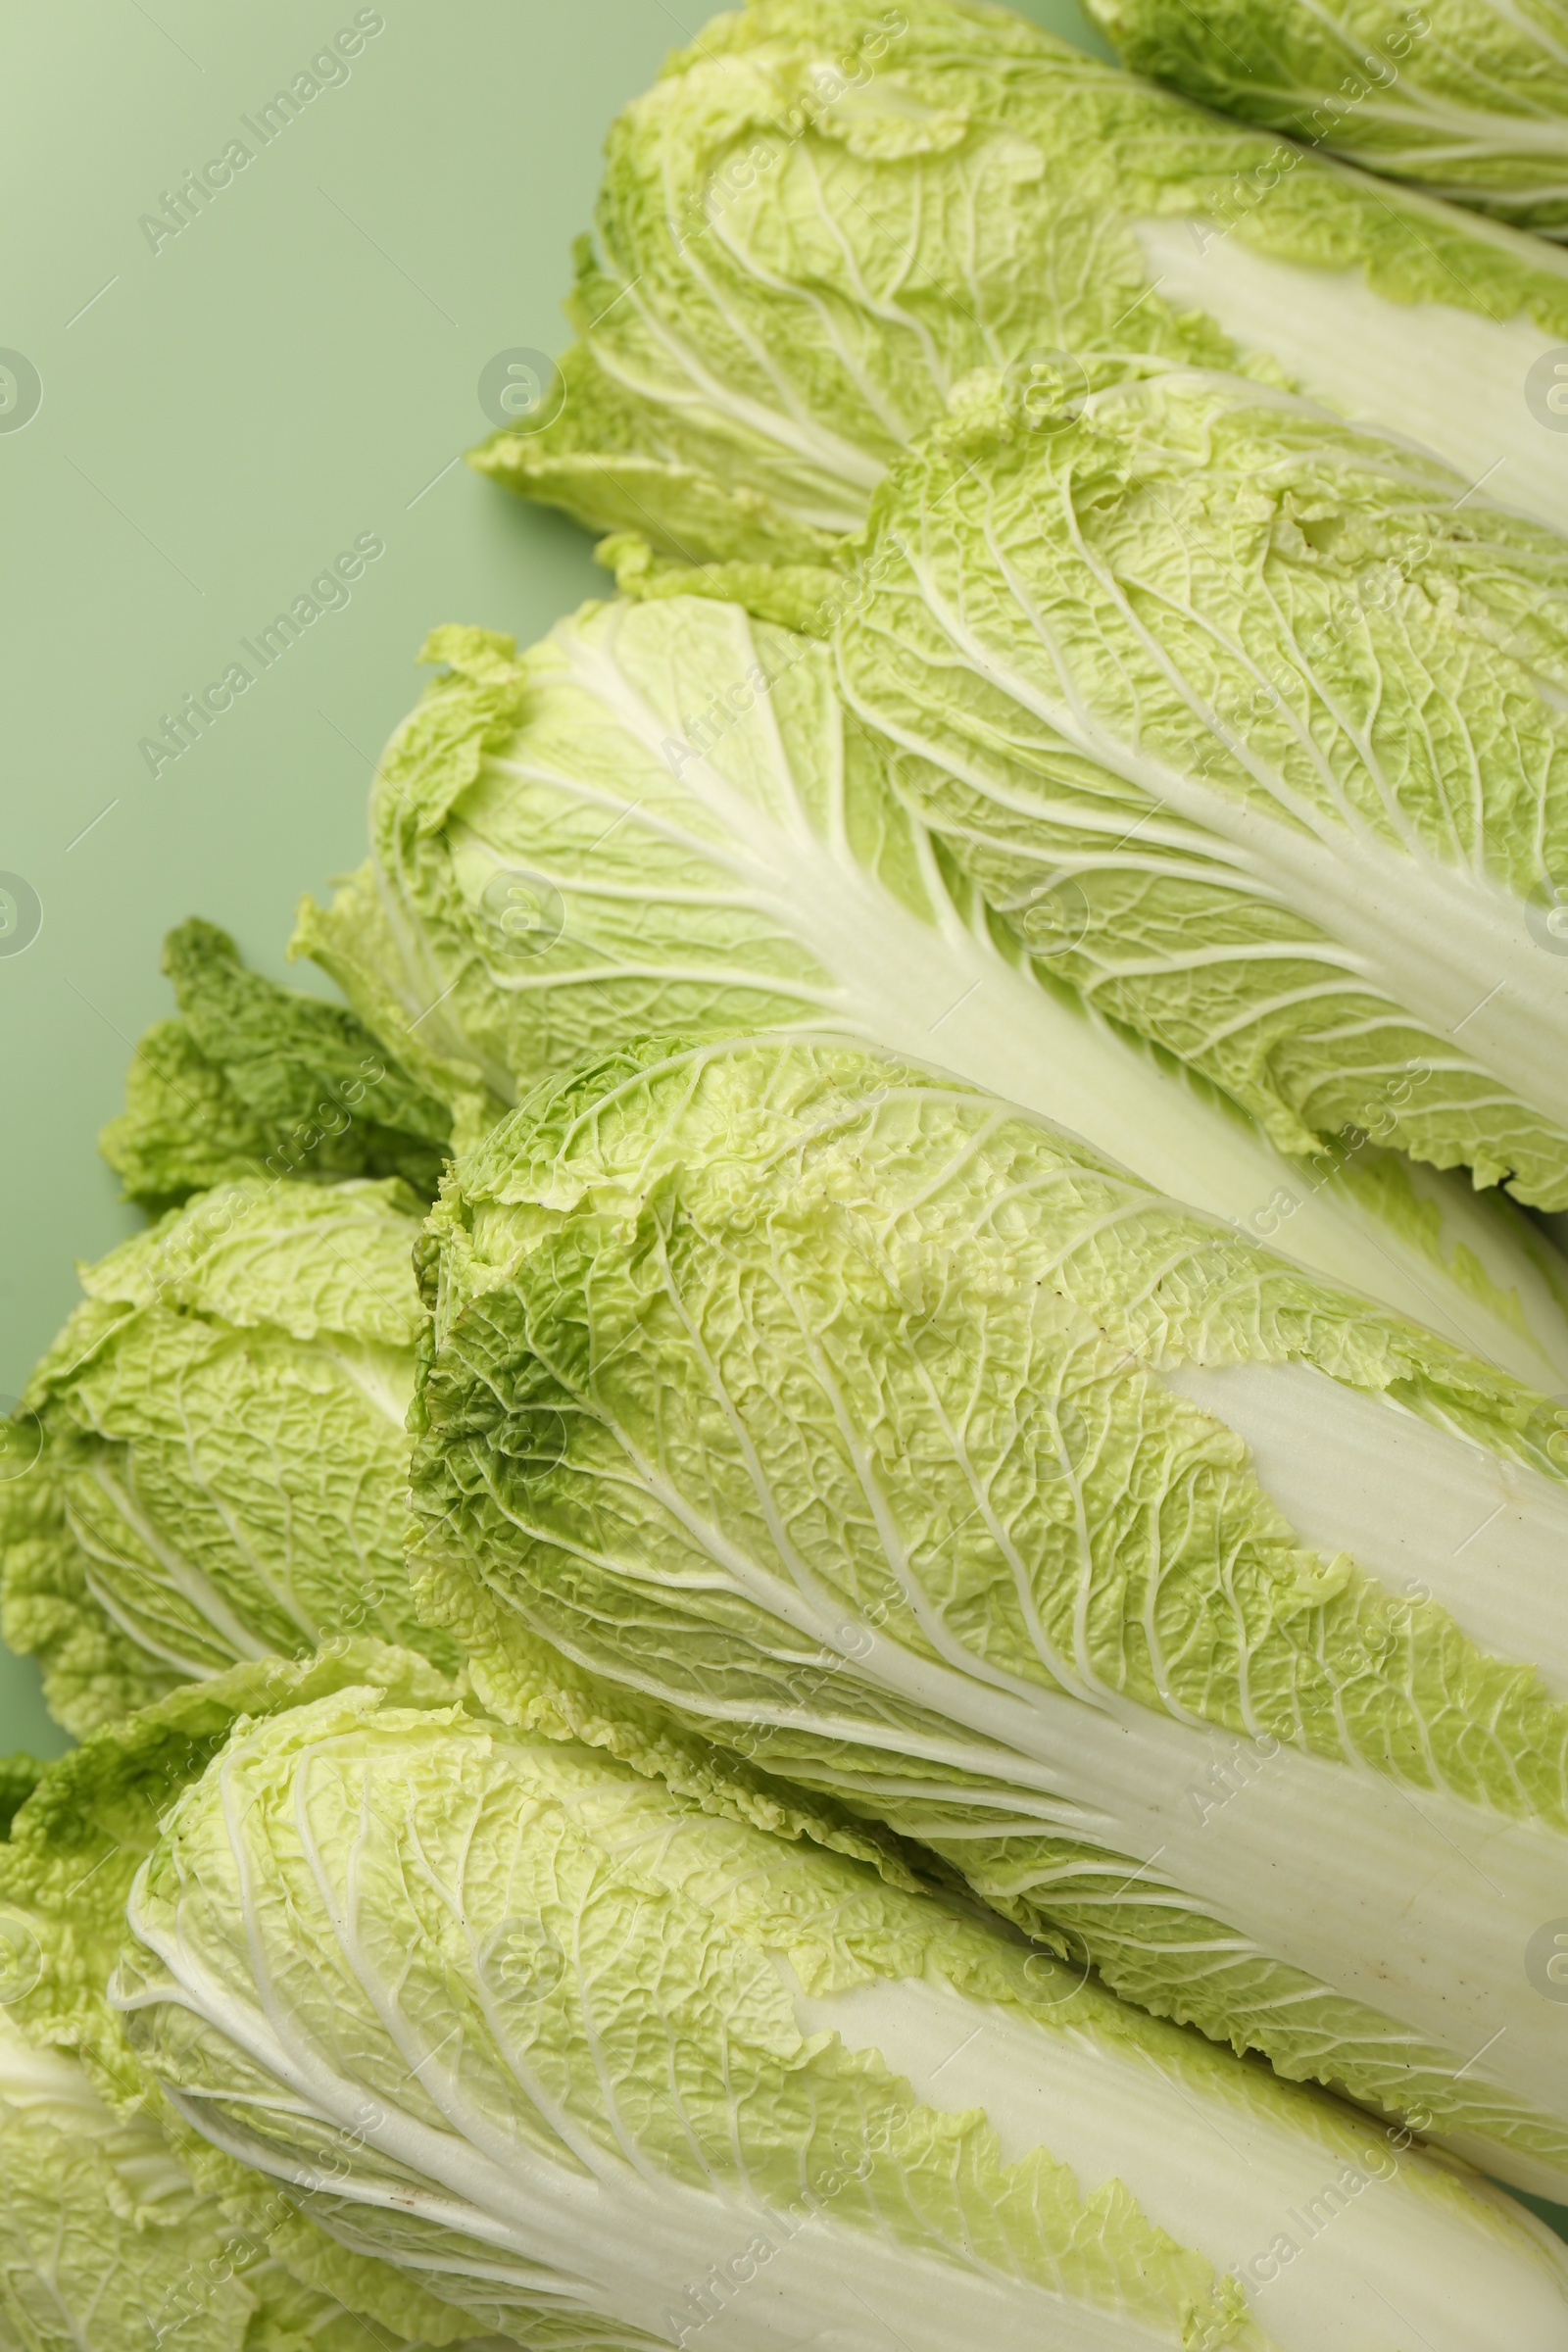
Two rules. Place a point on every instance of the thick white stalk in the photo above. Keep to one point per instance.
(1331, 2257)
(1450, 379)
(1423, 1510)
(1407, 1872)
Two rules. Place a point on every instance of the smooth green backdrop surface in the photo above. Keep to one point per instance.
(222, 411)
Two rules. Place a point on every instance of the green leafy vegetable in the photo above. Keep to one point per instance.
(106, 2245)
(1204, 1618)
(102, 2236)
(76, 1843)
(601, 2069)
(1469, 98)
(662, 817)
(1331, 852)
(1259, 712)
(221, 1450)
(117, 2225)
(824, 215)
(257, 1080)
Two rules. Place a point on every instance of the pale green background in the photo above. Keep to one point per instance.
(294, 369)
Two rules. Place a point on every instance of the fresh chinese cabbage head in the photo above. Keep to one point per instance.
(1194, 1610)
(825, 214)
(1280, 718)
(600, 2067)
(250, 1079)
(118, 2227)
(1469, 98)
(219, 1451)
(663, 818)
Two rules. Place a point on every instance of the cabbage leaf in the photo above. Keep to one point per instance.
(250, 1079)
(1467, 98)
(106, 2244)
(825, 214)
(663, 818)
(1272, 721)
(872, 1428)
(220, 1447)
(118, 2225)
(601, 2068)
